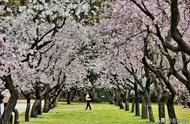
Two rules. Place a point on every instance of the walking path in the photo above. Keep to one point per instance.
(21, 105)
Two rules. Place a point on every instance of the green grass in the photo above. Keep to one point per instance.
(101, 114)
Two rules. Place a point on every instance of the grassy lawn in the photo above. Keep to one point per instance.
(101, 114)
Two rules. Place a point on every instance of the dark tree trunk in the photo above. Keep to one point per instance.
(111, 97)
(34, 111)
(39, 108)
(57, 99)
(149, 105)
(52, 99)
(37, 102)
(46, 105)
(16, 118)
(188, 86)
(73, 94)
(150, 112)
(161, 110)
(137, 108)
(116, 97)
(120, 102)
(144, 109)
(68, 97)
(146, 97)
(171, 110)
(133, 106)
(53, 103)
(127, 94)
(161, 100)
(27, 112)
(12, 100)
(147, 90)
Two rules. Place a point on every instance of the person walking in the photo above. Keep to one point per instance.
(88, 100)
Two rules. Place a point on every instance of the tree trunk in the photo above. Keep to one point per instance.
(111, 97)
(46, 105)
(36, 108)
(116, 97)
(12, 100)
(37, 102)
(39, 108)
(34, 111)
(137, 108)
(16, 118)
(68, 97)
(120, 102)
(144, 108)
(161, 102)
(73, 94)
(133, 106)
(146, 97)
(150, 111)
(127, 94)
(171, 110)
(57, 99)
(27, 112)
(161, 110)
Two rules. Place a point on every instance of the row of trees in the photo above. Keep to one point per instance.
(135, 47)
(147, 46)
(42, 47)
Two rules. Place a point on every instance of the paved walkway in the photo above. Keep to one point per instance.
(21, 105)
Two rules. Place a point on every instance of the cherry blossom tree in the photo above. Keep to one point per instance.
(48, 46)
(31, 31)
(130, 22)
